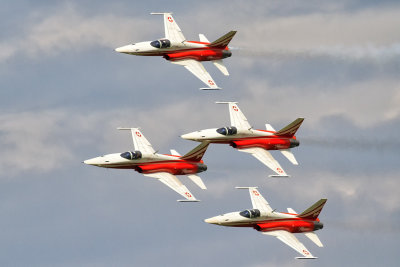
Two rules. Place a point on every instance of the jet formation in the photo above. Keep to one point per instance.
(239, 134)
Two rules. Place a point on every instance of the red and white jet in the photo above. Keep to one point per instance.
(281, 225)
(175, 48)
(144, 159)
(243, 137)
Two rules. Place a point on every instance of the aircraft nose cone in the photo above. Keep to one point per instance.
(190, 136)
(213, 220)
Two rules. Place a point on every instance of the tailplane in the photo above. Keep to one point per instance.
(290, 130)
(224, 40)
(197, 153)
(313, 212)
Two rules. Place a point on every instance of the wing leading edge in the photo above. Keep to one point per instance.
(172, 182)
(290, 240)
(266, 158)
(198, 70)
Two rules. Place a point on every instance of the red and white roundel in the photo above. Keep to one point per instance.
(210, 82)
(170, 19)
(138, 134)
(235, 108)
(279, 170)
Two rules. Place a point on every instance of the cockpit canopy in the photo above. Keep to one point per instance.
(132, 155)
(162, 43)
(254, 213)
(227, 130)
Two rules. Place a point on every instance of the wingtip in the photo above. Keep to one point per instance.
(209, 88)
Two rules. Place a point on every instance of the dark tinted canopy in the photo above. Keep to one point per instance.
(254, 213)
(227, 130)
(132, 155)
(163, 43)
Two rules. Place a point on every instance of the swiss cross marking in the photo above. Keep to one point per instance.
(210, 82)
(170, 19)
(188, 194)
(138, 134)
(235, 108)
(306, 252)
(279, 170)
(255, 193)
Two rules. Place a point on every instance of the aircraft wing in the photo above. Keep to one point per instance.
(139, 141)
(199, 71)
(290, 240)
(172, 182)
(257, 200)
(236, 115)
(172, 30)
(265, 157)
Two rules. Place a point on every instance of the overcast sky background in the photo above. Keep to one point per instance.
(64, 91)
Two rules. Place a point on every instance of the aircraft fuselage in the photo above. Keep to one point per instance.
(268, 222)
(149, 164)
(243, 138)
(199, 51)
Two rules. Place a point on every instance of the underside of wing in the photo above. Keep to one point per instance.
(199, 71)
(265, 157)
(172, 182)
(290, 240)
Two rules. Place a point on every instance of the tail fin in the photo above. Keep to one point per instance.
(224, 40)
(197, 153)
(313, 212)
(291, 129)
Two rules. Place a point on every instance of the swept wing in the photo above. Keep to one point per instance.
(172, 182)
(290, 240)
(199, 71)
(257, 200)
(172, 30)
(265, 157)
(236, 115)
(139, 141)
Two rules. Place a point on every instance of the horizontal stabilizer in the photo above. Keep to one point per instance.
(220, 65)
(175, 153)
(224, 40)
(291, 129)
(289, 155)
(290, 210)
(306, 258)
(197, 180)
(314, 238)
(269, 127)
(203, 38)
(186, 200)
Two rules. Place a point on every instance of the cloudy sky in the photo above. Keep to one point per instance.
(64, 91)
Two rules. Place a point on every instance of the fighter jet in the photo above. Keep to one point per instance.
(144, 159)
(243, 137)
(281, 225)
(175, 48)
